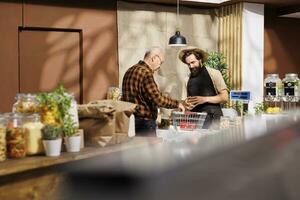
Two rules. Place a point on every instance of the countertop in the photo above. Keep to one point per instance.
(12, 166)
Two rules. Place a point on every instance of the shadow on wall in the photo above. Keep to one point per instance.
(53, 57)
(152, 25)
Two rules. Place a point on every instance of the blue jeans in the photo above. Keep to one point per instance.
(145, 127)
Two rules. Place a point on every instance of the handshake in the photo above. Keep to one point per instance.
(190, 102)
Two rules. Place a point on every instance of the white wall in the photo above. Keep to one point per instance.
(253, 52)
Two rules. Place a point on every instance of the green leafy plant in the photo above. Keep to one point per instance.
(51, 132)
(260, 108)
(239, 107)
(217, 61)
(69, 127)
(58, 104)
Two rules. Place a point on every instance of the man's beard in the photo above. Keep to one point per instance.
(195, 71)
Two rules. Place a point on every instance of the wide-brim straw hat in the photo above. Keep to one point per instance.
(191, 48)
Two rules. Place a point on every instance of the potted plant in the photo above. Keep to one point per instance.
(56, 110)
(71, 135)
(51, 136)
(217, 61)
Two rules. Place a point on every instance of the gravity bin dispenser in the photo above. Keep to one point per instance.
(282, 94)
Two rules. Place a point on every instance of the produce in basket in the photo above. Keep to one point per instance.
(187, 125)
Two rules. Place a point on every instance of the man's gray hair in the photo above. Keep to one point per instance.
(155, 50)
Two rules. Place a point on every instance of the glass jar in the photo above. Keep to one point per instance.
(33, 134)
(291, 88)
(114, 93)
(26, 103)
(3, 124)
(15, 136)
(164, 123)
(272, 87)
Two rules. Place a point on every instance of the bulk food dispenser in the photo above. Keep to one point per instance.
(291, 91)
(273, 91)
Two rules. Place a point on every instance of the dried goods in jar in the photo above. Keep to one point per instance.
(2, 143)
(15, 138)
(114, 93)
(33, 135)
(26, 103)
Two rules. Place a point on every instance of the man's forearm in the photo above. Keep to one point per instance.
(220, 98)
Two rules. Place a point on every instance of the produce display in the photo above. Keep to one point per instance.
(47, 115)
(16, 147)
(2, 143)
(273, 110)
(187, 125)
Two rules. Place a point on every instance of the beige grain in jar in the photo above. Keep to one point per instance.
(33, 134)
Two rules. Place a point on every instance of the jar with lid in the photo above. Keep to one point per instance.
(114, 93)
(26, 103)
(272, 87)
(15, 137)
(3, 123)
(291, 87)
(33, 134)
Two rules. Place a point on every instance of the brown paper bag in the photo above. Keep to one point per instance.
(105, 122)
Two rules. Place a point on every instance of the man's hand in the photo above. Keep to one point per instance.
(187, 105)
(197, 100)
(181, 107)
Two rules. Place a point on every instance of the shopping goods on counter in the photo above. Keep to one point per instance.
(105, 122)
(188, 121)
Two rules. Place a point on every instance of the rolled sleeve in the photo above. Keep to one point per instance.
(219, 82)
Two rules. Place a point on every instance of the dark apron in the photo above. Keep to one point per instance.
(200, 84)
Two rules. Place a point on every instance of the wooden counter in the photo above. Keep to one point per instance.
(38, 177)
(12, 166)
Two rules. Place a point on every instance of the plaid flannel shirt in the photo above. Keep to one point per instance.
(140, 88)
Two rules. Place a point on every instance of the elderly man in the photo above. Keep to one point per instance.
(206, 88)
(140, 88)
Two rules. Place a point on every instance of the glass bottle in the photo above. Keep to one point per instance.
(3, 124)
(33, 134)
(15, 136)
(26, 103)
(291, 88)
(272, 87)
